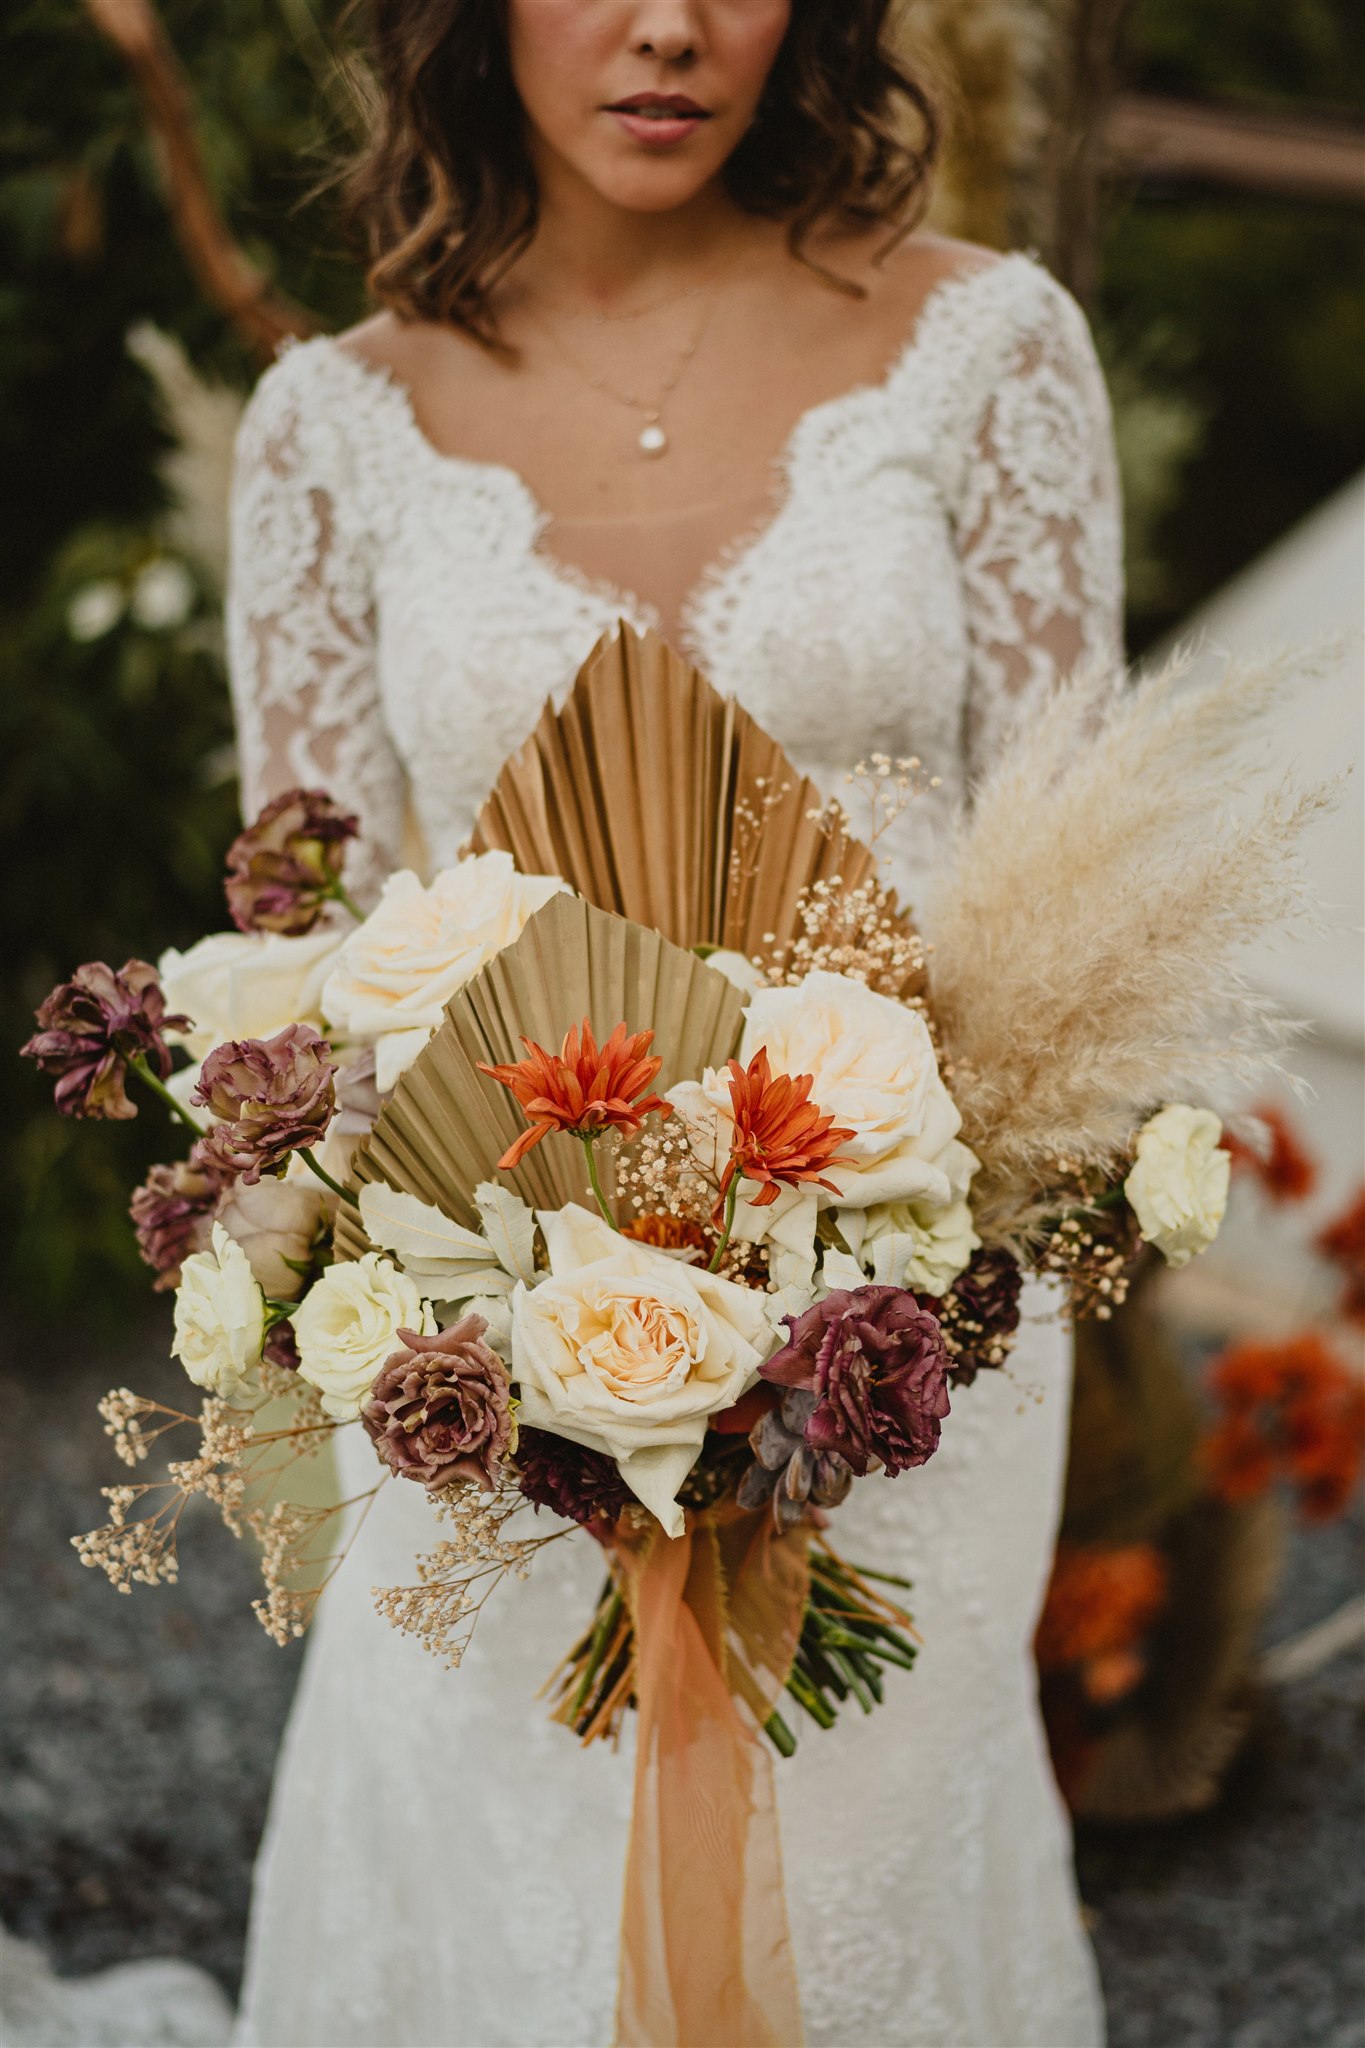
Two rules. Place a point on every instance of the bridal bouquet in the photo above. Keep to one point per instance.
(651, 1168)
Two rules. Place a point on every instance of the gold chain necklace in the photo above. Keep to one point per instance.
(652, 440)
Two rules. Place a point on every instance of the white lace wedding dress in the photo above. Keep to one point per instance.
(443, 1866)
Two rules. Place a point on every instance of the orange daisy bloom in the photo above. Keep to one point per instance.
(781, 1137)
(584, 1088)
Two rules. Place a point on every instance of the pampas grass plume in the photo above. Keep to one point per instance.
(1090, 923)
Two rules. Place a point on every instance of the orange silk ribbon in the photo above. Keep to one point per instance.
(706, 1957)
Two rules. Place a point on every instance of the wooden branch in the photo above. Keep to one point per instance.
(225, 274)
(1292, 154)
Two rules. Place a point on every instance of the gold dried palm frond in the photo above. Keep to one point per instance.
(659, 799)
(446, 1125)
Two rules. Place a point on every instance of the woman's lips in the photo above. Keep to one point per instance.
(660, 130)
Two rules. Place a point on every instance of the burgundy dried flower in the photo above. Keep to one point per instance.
(441, 1410)
(173, 1213)
(980, 1314)
(285, 867)
(876, 1363)
(274, 1096)
(787, 1471)
(282, 1346)
(581, 1485)
(90, 1028)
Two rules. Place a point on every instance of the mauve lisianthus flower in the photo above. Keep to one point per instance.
(876, 1363)
(581, 1485)
(285, 867)
(173, 1213)
(89, 1029)
(440, 1410)
(272, 1096)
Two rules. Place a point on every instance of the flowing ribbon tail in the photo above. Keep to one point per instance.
(706, 1957)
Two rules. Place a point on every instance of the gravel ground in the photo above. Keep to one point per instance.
(137, 1736)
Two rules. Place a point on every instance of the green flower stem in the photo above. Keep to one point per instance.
(730, 1201)
(144, 1073)
(335, 1185)
(339, 894)
(588, 1139)
(779, 1734)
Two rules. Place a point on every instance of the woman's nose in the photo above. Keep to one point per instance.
(669, 29)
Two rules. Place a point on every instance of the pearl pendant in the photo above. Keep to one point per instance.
(653, 439)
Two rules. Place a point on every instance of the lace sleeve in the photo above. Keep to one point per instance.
(1038, 522)
(300, 621)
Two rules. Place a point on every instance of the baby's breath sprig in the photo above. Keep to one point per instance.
(457, 1577)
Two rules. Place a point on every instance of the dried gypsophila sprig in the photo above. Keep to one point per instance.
(859, 932)
(888, 786)
(288, 1534)
(456, 1578)
(665, 1181)
(143, 1551)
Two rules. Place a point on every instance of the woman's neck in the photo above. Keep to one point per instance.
(590, 252)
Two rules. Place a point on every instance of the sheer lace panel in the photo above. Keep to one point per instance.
(1038, 529)
(301, 629)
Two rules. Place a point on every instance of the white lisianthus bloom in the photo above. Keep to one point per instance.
(874, 1070)
(247, 984)
(907, 1244)
(1178, 1185)
(629, 1352)
(348, 1324)
(219, 1316)
(399, 969)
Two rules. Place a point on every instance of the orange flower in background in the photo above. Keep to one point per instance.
(781, 1139)
(1343, 1242)
(584, 1088)
(1100, 1604)
(1286, 1171)
(1290, 1408)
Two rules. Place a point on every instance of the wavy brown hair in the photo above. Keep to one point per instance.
(443, 195)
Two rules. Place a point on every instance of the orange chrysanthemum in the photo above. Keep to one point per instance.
(584, 1088)
(666, 1233)
(781, 1136)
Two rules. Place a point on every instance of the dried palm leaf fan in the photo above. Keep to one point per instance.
(446, 1125)
(656, 797)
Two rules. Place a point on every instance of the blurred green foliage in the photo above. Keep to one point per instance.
(1232, 328)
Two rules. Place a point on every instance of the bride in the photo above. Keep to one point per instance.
(661, 342)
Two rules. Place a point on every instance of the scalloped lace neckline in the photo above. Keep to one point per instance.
(811, 428)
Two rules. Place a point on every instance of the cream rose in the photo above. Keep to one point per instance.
(348, 1326)
(628, 1351)
(219, 1316)
(906, 1244)
(399, 969)
(874, 1071)
(1178, 1185)
(247, 984)
(274, 1221)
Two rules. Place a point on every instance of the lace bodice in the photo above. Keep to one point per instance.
(946, 541)
(443, 1865)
